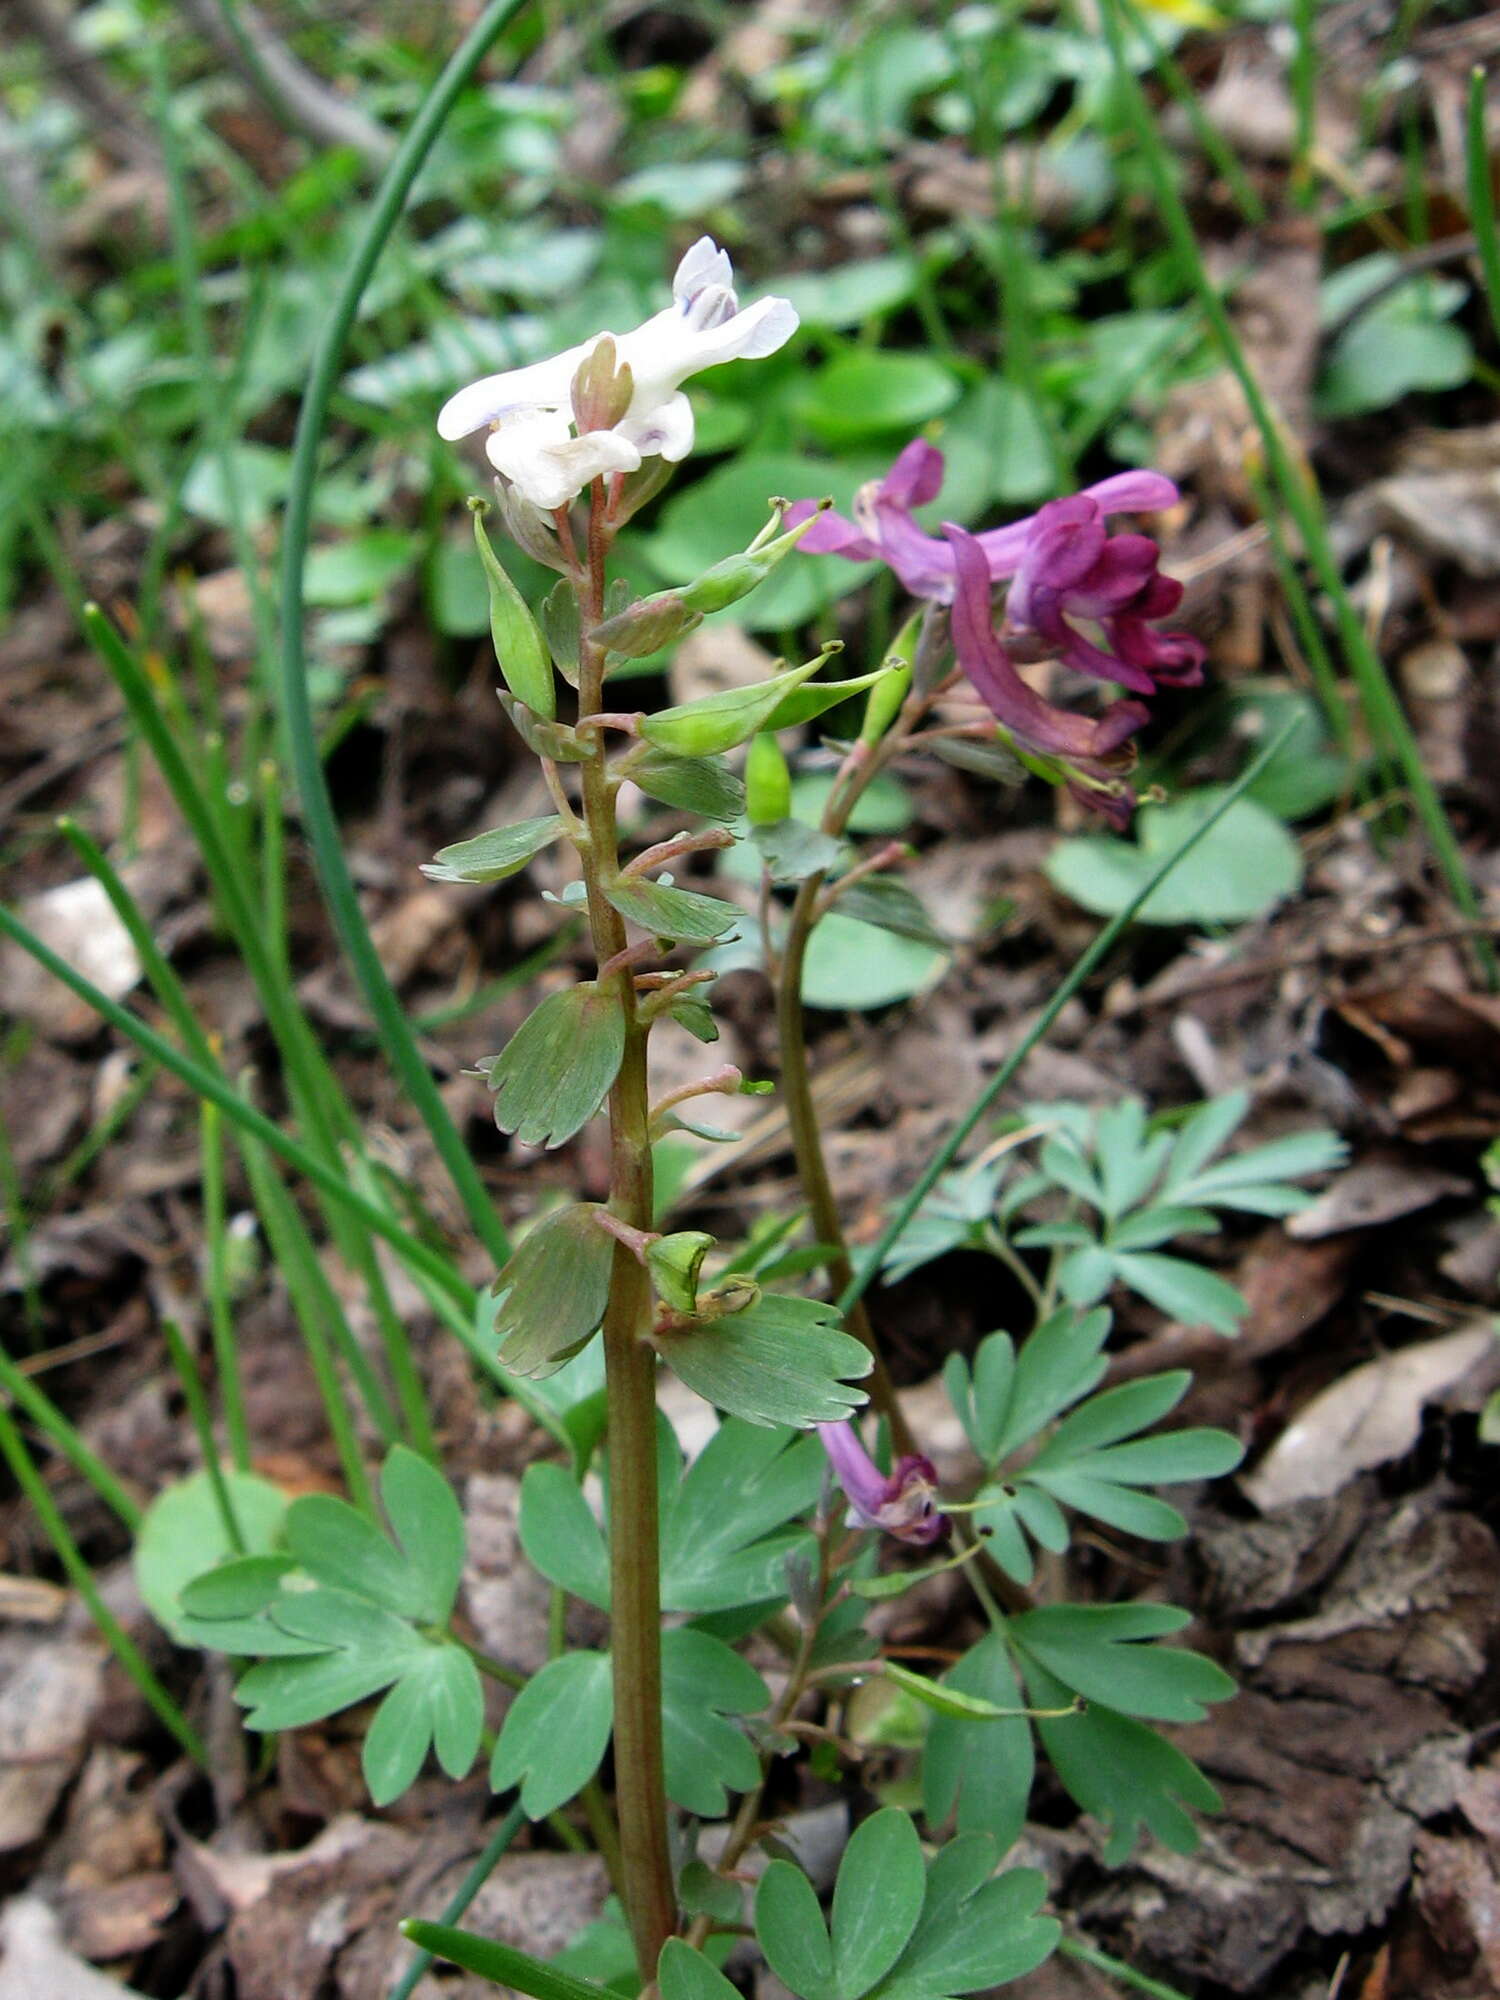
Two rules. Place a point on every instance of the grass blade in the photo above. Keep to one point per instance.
(297, 715)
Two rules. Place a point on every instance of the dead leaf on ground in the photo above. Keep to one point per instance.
(1374, 1192)
(48, 1706)
(37, 1964)
(1368, 1418)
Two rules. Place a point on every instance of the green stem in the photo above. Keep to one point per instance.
(1116, 1968)
(1482, 195)
(635, 1601)
(796, 1079)
(203, 1425)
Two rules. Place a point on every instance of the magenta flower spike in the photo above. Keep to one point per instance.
(903, 1505)
(884, 530)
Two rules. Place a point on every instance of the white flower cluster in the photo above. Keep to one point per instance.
(528, 411)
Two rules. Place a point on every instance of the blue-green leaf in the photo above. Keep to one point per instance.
(556, 1732)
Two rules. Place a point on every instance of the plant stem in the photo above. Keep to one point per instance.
(635, 1603)
(796, 1081)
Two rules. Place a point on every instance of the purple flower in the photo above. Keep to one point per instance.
(903, 1505)
(1065, 563)
(1092, 748)
(883, 529)
(1072, 567)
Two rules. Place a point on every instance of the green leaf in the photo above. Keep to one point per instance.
(782, 1360)
(1385, 356)
(501, 1963)
(861, 394)
(985, 1768)
(428, 1523)
(692, 784)
(359, 569)
(1247, 863)
(703, 1681)
(877, 1900)
(790, 851)
(438, 1704)
(889, 905)
(1123, 1773)
(1095, 1650)
(1115, 1414)
(974, 1932)
(685, 1974)
(1186, 1291)
(556, 1732)
(342, 1548)
(670, 912)
(490, 857)
(790, 1930)
(525, 663)
(183, 1535)
(240, 1588)
(1060, 1363)
(725, 1536)
(557, 1068)
(560, 1535)
(552, 1294)
(853, 967)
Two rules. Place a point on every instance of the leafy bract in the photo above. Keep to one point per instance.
(782, 1360)
(671, 912)
(492, 856)
(550, 1297)
(557, 1068)
(692, 784)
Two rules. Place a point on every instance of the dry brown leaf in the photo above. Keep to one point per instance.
(39, 1966)
(1368, 1418)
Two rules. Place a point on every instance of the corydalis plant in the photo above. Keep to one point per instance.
(598, 1293)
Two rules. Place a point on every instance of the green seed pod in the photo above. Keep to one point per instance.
(883, 703)
(768, 782)
(647, 625)
(520, 648)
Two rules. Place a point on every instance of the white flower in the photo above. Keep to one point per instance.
(528, 411)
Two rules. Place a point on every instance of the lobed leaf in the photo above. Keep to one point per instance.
(553, 1292)
(781, 1360)
(558, 1067)
(492, 856)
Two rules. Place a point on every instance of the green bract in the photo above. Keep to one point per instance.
(491, 857)
(551, 1296)
(781, 1360)
(671, 912)
(692, 784)
(520, 648)
(557, 1068)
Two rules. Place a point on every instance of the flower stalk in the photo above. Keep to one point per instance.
(635, 1616)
